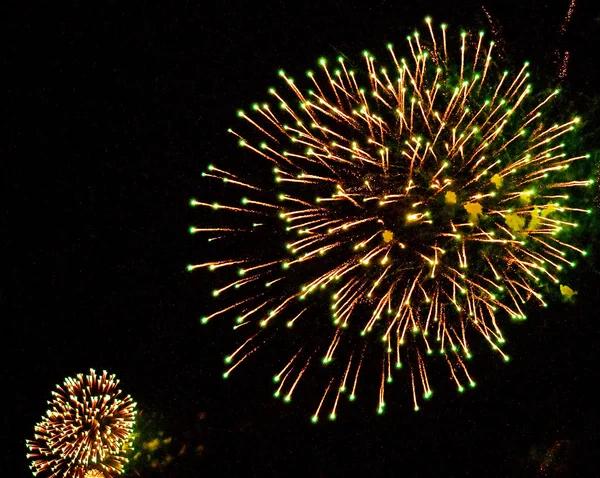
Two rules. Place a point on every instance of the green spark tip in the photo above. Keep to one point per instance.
(314, 419)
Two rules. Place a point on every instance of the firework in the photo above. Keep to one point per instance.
(86, 430)
(410, 209)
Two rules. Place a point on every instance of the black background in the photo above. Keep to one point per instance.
(113, 111)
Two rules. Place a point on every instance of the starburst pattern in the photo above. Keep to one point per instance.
(418, 206)
(86, 430)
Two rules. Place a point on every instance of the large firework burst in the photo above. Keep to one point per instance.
(432, 204)
(86, 430)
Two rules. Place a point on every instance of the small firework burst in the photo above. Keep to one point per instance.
(412, 209)
(86, 431)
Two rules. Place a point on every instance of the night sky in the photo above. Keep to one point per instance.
(112, 113)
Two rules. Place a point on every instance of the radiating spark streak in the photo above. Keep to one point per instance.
(302, 371)
(236, 365)
(238, 350)
(315, 417)
(226, 309)
(235, 284)
(260, 266)
(229, 208)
